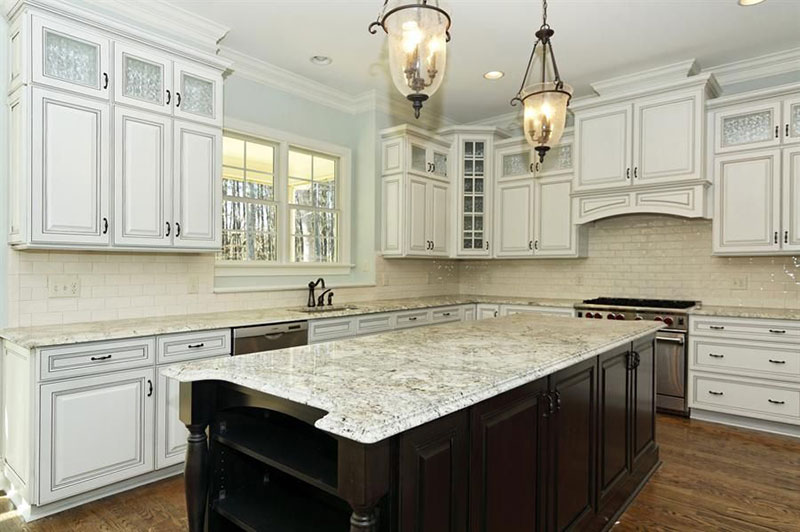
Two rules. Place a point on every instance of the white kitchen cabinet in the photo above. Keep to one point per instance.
(142, 179)
(747, 126)
(392, 222)
(417, 230)
(427, 157)
(143, 78)
(197, 210)
(603, 145)
(70, 56)
(474, 197)
(439, 216)
(470, 312)
(198, 93)
(170, 432)
(95, 431)
(487, 310)
(555, 234)
(791, 199)
(747, 216)
(791, 120)
(513, 160)
(329, 329)
(513, 218)
(70, 169)
(558, 160)
(509, 310)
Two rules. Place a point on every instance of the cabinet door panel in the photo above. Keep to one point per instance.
(143, 78)
(198, 94)
(514, 162)
(791, 199)
(603, 148)
(791, 121)
(171, 433)
(417, 218)
(747, 127)
(391, 234)
(70, 57)
(433, 476)
(514, 218)
(506, 461)
(614, 421)
(142, 178)
(667, 138)
(197, 186)
(94, 432)
(555, 233)
(70, 169)
(644, 400)
(747, 206)
(439, 217)
(474, 196)
(574, 444)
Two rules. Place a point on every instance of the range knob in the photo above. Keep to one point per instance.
(619, 316)
(598, 316)
(658, 318)
(611, 316)
(589, 315)
(668, 321)
(638, 318)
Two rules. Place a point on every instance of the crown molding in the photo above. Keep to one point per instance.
(647, 78)
(780, 91)
(757, 67)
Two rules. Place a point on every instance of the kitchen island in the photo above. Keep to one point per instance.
(519, 423)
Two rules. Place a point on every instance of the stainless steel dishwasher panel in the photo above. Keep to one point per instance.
(269, 337)
(671, 371)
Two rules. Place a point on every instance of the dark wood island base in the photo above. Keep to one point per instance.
(566, 452)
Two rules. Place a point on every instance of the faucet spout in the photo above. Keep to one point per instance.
(311, 286)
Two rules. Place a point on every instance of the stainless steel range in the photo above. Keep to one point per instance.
(671, 342)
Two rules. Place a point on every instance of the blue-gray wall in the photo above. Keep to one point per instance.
(3, 177)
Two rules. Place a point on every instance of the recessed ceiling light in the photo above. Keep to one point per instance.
(749, 2)
(321, 60)
(494, 74)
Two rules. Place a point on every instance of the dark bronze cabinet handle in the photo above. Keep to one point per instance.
(412, 318)
(530, 244)
(714, 355)
(445, 313)
(777, 361)
(104, 357)
(531, 167)
(777, 131)
(536, 244)
(775, 238)
(195, 346)
(627, 173)
(149, 388)
(433, 168)
(558, 401)
(487, 244)
(715, 393)
(786, 237)
(105, 80)
(778, 331)
(636, 172)
(177, 229)
(105, 226)
(168, 228)
(716, 327)
(177, 99)
(169, 96)
(787, 130)
(774, 402)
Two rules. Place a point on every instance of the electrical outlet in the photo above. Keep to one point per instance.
(63, 286)
(739, 283)
(194, 284)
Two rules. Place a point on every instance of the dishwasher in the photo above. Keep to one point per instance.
(259, 338)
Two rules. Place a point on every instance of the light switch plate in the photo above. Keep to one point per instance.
(739, 283)
(63, 286)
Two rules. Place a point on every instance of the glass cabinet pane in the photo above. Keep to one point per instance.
(70, 59)
(794, 120)
(559, 159)
(473, 195)
(197, 95)
(516, 163)
(142, 79)
(440, 164)
(418, 158)
(747, 128)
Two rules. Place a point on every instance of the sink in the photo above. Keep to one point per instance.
(322, 310)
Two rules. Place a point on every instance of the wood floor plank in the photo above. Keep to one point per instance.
(713, 478)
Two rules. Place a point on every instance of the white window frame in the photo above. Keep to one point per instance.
(283, 141)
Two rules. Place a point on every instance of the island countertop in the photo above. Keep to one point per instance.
(375, 387)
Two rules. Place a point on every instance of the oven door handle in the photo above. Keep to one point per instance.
(670, 339)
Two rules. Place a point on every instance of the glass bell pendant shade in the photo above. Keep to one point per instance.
(545, 114)
(417, 52)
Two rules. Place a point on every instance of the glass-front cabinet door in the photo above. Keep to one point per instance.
(198, 94)
(474, 199)
(143, 78)
(439, 162)
(419, 158)
(558, 160)
(749, 126)
(514, 162)
(70, 57)
(791, 121)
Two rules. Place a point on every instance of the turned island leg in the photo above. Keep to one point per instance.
(197, 400)
(363, 481)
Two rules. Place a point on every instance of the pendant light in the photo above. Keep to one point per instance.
(417, 33)
(544, 102)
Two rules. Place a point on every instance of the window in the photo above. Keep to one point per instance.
(284, 203)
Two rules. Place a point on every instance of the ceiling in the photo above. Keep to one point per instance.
(595, 40)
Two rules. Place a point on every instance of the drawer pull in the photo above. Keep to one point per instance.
(778, 331)
(412, 318)
(716, 327)
(774, 402)
(712, 392)
(195, 346)
(714, 355)
(777, 361)
(445, 313)
(104, 357)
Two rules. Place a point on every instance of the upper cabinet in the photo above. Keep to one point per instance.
(100, 159)
(762, 124)
(604, 142)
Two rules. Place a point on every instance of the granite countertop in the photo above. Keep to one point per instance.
(747, 312)
(33, 337)
(375, 387)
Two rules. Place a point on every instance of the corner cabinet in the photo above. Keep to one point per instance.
(115, 144)
(415, 192)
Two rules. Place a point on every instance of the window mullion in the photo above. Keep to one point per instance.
(281, 192)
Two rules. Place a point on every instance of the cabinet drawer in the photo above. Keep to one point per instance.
(745, 358)
(446, 314)
(189, 346)
(746, 397)
(374, 323)
(324, 330)
(788, 331)
(508, 310)
(101, 357)
(413, 318)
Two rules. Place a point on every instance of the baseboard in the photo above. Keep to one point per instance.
(746, 422)
(32, 513)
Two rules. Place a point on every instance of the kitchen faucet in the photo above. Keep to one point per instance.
(311, 286)
(321, 298)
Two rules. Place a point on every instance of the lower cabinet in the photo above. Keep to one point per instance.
(171, 433)
(95, 431)
(485, 310)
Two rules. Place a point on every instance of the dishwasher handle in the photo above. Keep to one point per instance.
(270, 331)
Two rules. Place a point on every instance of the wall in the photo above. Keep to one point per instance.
(644, 256)
(3, 180)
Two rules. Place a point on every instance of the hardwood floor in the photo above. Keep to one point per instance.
(713, 478)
